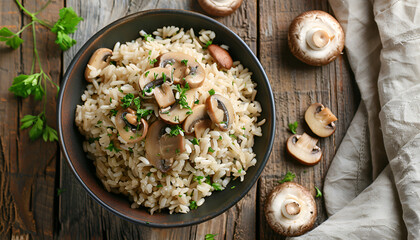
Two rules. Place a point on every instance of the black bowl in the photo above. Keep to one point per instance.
(124, 30)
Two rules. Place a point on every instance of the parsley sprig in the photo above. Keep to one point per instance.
(293, 127)
(182, 97)
(35, 83)
(288, 177)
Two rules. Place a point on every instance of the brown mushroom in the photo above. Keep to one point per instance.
(128, 126)
(221, 111)
(316, 38)
(176, 114)
(184, 68)
(290, 209)
(161, 148)
(320, 120)
(198, 121)
(220, 8)
(99, 60)
(221, 56)
(157, 82)
(304, 149)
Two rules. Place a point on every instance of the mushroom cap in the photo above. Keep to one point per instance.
(99, 60)
(221, 111)
(316, 38)
(161, 149)
(184, 67)
(290, 209)
(129, 134)
(221, 56)
(304, 149)
(320, 120)
(220, 8)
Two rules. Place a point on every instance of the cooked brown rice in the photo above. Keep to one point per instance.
(128, 171)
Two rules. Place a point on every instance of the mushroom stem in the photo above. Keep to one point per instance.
(307, 142)
(326, 116)
(318, 38)
(290, 208)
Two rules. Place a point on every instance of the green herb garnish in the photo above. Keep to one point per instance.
(146, 73)
(211, 92)
(194, 141)
(111, 147)
(127, 100)
(208, 43)
(211, 150)
(216, 186)
(198, 179)
(318, 192)
(288, 177)
(193, 205)
(175, 130)
(185, 62)
(210, 236)
(293, 127)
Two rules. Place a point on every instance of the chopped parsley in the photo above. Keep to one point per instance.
(91, 140)
(175, 130)
(288, 177)
(155, 75)
(147, 73)
(110, 100)
(193, 205)
(99, 122)
(164, 77)
(210, 236)
(243, 128)
(147, 37)
(232, 187)
(211, 150)
(127, 100)
(293, 127)
(195, 141)
(182, 97)
(197, 101)
(233, 136)
(60, 191)
(111, 147)
(220, 137)
(216, 186)
(318, 192)
(148, 174)
(121, 91)
(208, 43)
(113, 63)
(130, 149)
(240, 170)
(198, 179)
(212, 92)
(208, 180)
(152, 61)
(185, 62)
(177, 151)
(142, 113)
(159, 186)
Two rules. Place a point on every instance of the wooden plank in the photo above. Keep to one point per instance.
(295, 87)
(30, 164)
(238, 222)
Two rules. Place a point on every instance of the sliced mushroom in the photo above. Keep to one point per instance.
(164, 95)
(221, 56)
(155, 78)
(316, 38)
(320, 120)
(221, 111)
(201, 126)
(176, 114)
(161, 149)
(99, 60)
(304, 149)
(184, 68)
(220, 7)
(128, 126)
(199, 118)
(290, 209)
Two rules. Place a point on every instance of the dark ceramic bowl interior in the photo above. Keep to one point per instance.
(127, 29)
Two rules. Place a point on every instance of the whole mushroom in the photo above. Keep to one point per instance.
(290, 209)
(98, 61)
(220, 8)
(304, 149)
(320, 120)
(316, 38)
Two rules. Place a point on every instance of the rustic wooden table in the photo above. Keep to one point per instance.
(32, 171)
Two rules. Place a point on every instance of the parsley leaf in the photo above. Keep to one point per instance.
(111, 147)
(152, 61)
(127, 100)
(288, 177)
(60, 191)
(147, 37)
(36, 123)
(318, 192)
(217, 186)
(114, 112)
(208, 43)
(182, 97)
(65, 25)
(193, 205)
(210, 236)
(12, 40)
(141, 113)
(293, 127)
(25, 85)
(194, 141)
(211, 150)
(211, 92)
(175, 130)
(92, 140)
(185, 62)
(198, 179)
(49, 134)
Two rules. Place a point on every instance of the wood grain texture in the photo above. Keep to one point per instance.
(30, 165)
(296, 86)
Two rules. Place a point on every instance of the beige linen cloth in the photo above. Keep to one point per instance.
(372, 189)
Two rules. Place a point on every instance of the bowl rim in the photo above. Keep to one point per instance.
(121, 21)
